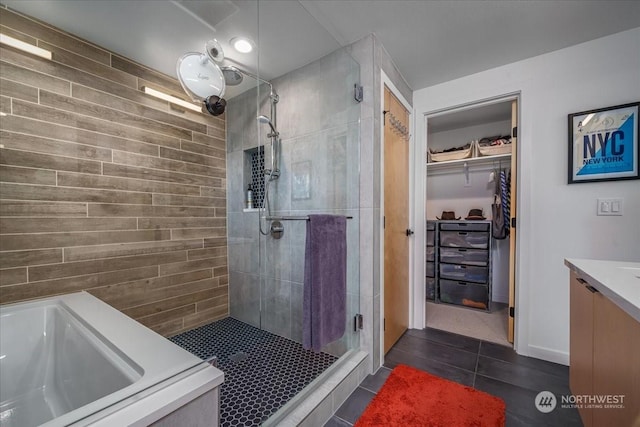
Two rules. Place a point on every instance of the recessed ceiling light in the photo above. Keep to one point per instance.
(242, 44)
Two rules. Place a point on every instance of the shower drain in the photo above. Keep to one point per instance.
(238, 357)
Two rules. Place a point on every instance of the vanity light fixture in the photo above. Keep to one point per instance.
(241, 44)
(172, 99)
(25, 47)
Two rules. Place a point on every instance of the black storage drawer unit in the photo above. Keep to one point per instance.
(431, 269)
(471, 273)
(431, 237)
(465, 239)
(431, 279)
(431, 253)
(464, 293)
(465, 226)
(463, 256)
(431, 288)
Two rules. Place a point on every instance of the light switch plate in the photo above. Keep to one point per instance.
(610, 207)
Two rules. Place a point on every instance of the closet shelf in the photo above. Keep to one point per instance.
(471, 162)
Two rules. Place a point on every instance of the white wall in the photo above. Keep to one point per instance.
(555, 220)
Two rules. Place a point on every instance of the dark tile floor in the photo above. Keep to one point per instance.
(489, 367)
(262, 371)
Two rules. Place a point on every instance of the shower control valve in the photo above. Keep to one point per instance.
(277, 229)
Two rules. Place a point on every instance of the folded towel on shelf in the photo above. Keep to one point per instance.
(325, 281)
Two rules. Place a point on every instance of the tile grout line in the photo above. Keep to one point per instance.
(475, 371)
(342, 419)
(436, 361)
(525, 366)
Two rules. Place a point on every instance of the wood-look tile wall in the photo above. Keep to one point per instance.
(106, 189)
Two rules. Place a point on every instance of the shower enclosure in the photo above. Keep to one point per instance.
(318, 136)
(295, 139)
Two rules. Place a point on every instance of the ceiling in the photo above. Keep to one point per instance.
(430, 41)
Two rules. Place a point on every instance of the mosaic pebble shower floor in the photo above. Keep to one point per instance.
(262, 371)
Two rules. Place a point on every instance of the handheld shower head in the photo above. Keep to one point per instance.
(265, 119)
(274, 172)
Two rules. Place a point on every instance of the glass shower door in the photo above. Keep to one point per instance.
(318, 126)
(317, 121)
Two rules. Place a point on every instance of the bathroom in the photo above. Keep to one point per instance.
(142, 202)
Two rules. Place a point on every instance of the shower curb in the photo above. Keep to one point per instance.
(320, 405)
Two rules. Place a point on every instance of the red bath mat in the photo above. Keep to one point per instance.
(411, 397)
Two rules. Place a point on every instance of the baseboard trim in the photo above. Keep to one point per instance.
(548, 354)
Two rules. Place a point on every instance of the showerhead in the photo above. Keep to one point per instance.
(274, 172)
(232, 75)
(265, 119)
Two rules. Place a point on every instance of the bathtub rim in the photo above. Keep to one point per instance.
(139, 343)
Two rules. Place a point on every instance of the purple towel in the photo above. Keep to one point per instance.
(325, 281)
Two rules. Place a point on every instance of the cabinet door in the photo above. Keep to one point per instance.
(616, 362)
(581, 343)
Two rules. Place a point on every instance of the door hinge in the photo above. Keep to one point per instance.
(512, 312)
(384, 222)
(514, 132)
(358, 92)
(384, 324)
(409, 232)
(513, 222)
(384, 116)
(358, 322)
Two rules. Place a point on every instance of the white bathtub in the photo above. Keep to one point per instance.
(74, 360)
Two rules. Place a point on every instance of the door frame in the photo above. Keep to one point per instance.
(420, 177)
(386, 81)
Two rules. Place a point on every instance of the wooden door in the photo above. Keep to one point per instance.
(512, 216)
(581, 343)
(396, 220)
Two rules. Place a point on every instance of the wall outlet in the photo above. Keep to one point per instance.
(610, 207)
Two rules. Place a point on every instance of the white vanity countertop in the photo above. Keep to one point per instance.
(619, 281)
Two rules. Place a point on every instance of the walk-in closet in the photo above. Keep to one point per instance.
(471, 219)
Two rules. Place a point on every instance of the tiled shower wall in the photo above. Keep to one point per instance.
(106, 189)
(318, 121)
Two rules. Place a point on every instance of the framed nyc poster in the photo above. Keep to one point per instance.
(603, 144)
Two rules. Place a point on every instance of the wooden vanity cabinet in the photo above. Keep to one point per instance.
(581, 343)
(604, 355)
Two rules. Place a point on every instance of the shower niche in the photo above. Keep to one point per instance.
(254, 165)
